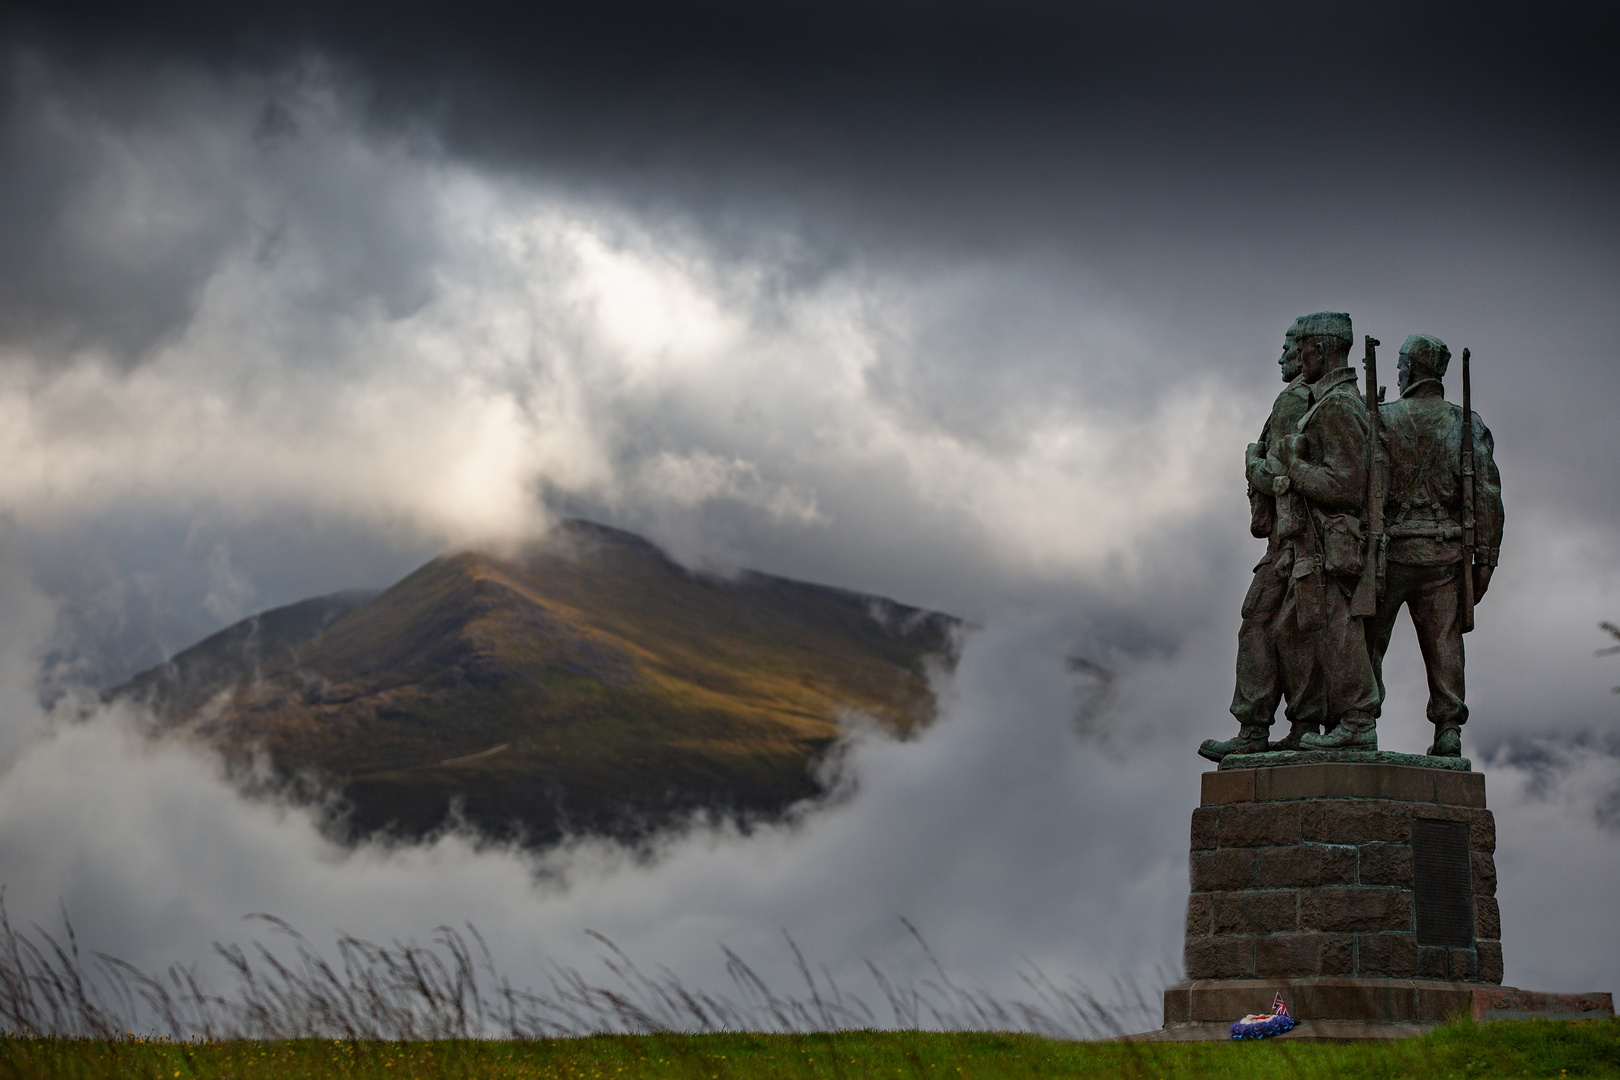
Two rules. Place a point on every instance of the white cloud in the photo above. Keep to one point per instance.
(986, 832)
(24, 636)
(548, 343)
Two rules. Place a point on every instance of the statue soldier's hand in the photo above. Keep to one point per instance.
(1254, 465)
(1482, 581)
(1290, 448)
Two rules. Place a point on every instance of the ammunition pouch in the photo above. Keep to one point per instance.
(1343, 551)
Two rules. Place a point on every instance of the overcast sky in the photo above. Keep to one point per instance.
(970, 305)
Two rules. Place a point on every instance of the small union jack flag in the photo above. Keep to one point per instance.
(1278, 1008)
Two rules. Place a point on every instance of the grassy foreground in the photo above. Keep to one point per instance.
(1504, 1049)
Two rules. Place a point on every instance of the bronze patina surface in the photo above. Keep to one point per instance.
(1365, 508)
(1427, 517)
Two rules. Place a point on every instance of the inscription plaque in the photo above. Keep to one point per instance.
(1442, 882)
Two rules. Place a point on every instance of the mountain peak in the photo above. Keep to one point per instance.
(585, 681)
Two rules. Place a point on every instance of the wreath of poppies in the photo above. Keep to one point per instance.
(1259, 1025)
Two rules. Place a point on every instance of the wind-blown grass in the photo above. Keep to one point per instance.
(452, 989)
(445, 1010)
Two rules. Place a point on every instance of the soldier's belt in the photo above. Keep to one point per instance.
(1427, 531)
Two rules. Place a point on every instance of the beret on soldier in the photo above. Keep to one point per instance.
(1333, 324)
(1428, 350)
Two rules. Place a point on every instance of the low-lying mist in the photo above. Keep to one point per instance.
(1020, 863)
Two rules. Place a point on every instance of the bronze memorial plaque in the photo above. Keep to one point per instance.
(1443, 883)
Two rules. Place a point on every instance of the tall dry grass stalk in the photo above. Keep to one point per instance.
(452, 989)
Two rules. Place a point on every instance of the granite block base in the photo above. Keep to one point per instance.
(1343, 869)
(1359, 886)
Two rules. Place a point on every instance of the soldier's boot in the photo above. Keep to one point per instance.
(1251, 739)
(1447, 740)
(1297, 730)
(1352, 733)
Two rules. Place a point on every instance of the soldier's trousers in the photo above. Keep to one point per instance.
(1259, 668)
(1330, 664)
(1433, 595)
(1325, 673)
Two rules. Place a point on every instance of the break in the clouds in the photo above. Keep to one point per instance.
(291, 307)
(388, 339)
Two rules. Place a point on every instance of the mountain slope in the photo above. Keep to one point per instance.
(185, 684)
(586, 683)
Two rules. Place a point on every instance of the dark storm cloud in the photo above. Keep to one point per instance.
(933, 110)
(1179, 146)
(900, 58)
(1172, 146)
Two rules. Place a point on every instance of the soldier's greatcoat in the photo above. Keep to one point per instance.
(1422, 445)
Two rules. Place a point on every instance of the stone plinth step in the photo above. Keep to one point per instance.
(1361, 757)
(1343, 780)
(1510, 1003)
(1369, 1001)
(1312, 1031)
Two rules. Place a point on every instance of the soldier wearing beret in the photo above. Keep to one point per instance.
(1297, 626)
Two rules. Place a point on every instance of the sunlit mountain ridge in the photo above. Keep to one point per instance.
(585, 684)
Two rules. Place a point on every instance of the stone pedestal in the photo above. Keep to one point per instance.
(1360, 886)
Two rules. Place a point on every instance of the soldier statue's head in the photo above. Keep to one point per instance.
(1292, 366)
(1319, 343)
(1424, 356)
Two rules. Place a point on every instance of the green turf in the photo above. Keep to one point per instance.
(1505, 1049)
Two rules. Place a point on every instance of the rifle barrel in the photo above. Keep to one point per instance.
(1467, 613)
(1365, 600)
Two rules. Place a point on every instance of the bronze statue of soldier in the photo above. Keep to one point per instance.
(1298, 637)
(1259, 686)
(1425, 517)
